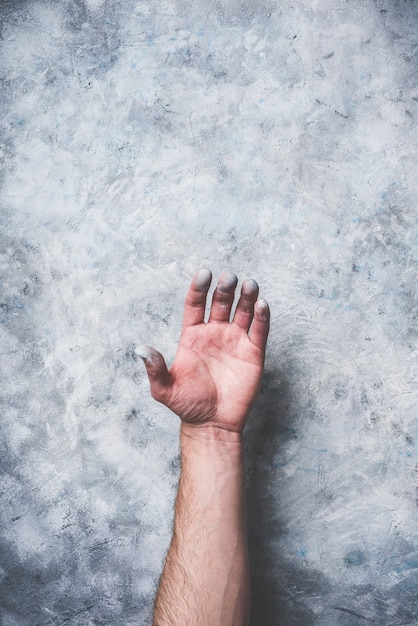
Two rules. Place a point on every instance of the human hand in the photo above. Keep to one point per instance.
(217, 370)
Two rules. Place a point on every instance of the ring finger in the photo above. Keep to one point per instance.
(244, 312)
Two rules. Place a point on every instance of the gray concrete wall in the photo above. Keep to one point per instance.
(141, 140)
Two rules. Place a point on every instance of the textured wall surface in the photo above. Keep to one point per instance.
(141, 140)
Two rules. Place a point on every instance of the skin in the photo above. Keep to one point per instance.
(211, 386)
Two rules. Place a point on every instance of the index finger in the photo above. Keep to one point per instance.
(195, 303)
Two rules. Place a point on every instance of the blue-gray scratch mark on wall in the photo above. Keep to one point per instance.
(139, 142)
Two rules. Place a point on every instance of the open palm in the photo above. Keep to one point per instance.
(218, 366)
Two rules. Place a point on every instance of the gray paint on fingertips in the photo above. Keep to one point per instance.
(262, 303)
(139, 144)
(227, 282)
(203, 279)
(250, 287)
(145, 353)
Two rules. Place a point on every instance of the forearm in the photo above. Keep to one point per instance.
(205, 580)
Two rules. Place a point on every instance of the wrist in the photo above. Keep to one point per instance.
(208, 452)
(210, 433)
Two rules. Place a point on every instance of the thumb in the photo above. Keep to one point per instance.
(158, 374)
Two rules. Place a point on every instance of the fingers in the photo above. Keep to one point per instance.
(223, 298)
(158, 374)
(244, 312)
(194, 306)
(248, 310)
(261, 324)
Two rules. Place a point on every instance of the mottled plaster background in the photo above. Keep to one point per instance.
(141, 140)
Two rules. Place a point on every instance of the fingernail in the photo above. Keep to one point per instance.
(263, 304)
